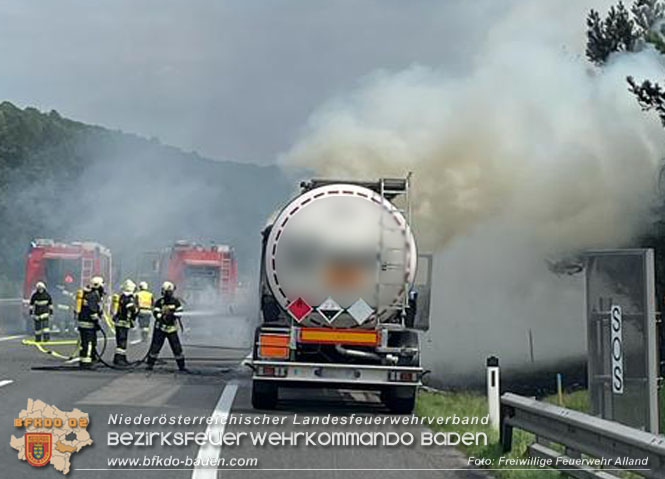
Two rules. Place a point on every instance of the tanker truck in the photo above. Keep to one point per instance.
(343, 294)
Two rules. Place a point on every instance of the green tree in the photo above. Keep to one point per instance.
(615, 33)
(628, 31)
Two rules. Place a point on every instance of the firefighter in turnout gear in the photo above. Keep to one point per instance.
(41, 310)
(124, 317)
(167, 312)
(146, 304)
(88, 320)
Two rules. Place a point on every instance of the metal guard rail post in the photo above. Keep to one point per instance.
(581, 433)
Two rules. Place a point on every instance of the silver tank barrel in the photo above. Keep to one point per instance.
(345, 252)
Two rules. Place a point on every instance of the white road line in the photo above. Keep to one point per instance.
(136, 341)
(73, 360)
(9, 338)
(11, 300)
(208, 452)
(4, 382)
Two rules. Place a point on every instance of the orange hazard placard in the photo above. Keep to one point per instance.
(274, 346)
(339, 336)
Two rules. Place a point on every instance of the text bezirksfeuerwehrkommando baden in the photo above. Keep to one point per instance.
(296, 420)
(164, 439)
(282, 437)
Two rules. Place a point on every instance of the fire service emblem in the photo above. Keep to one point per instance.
(38, 448)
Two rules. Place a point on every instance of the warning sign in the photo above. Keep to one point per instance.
(360, 311)
(329, 309)
(299, 309)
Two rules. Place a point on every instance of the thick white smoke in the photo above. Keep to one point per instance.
(529, 154)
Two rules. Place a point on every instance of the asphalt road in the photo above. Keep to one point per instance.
(217, 385)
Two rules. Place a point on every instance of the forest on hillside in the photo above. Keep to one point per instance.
(71, 181)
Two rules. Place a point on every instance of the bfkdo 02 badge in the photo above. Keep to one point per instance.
(38, 447)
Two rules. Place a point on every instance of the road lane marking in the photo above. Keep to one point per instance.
(136, 341)
(9, 338)
(4, 382)
(209, 452)
(73, 360)
(11, 300)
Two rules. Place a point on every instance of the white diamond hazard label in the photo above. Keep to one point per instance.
(360, 311)
(329, 309)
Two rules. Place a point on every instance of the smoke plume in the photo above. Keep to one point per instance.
(529, 154)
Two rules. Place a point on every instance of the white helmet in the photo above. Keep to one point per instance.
(143, 286)
(40, 285)
(168, 286)
(97, 282)
(128, 287)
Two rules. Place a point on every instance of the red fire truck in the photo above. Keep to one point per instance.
(64, 267)
(204, 275)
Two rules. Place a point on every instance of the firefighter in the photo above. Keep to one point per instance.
(127, 311)
(88, 320)
(41, 310)
(167, 312)
(146, 303)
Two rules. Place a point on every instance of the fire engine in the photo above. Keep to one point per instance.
(204, 275)
(64, 267)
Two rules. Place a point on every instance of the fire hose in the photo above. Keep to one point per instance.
(130, 365)
(42, 347)
(56, 354)
(99, 355)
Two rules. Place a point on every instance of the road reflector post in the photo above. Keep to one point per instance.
(493, 393)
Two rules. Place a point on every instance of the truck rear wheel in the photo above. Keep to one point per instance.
(400, 400)
(264, 394)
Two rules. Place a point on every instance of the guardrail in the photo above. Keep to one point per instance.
(580, 434)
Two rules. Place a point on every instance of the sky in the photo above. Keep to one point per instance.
(230, 79)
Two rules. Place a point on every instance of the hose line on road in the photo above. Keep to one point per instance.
(100, 355)
(40, 346)
(130, 365)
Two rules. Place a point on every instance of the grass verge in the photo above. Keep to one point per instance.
(473, 404)
(470, 404)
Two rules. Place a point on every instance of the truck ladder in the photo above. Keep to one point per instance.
(86, 270)
(386, 260)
